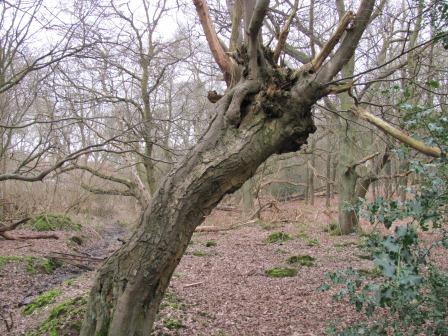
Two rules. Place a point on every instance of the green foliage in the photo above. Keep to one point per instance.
(172, 324)
(281, 272)
(210, 243)
(304, 260)
(64, 319)
(278, 237)
(41, 301)
(414, 291)
(53, 222)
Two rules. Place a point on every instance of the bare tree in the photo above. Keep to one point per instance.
(265, 110)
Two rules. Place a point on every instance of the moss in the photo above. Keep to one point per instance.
(171, 300)
(210, 243)
(64, 319)
(199, 253)
(41, 301)
(53, 222)
(281, 272)
(172, 324)
(33, 264)
(278, 237)
(304, 260)
(4, 260)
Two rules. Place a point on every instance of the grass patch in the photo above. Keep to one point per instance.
(199, 253)
(304, 260)
(281, 272)
(53, 222)
(41, 301)
(210, 243)
(172, 324)
(64, 319)
(278, 237)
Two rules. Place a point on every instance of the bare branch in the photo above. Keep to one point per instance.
(396, 133)
(215, 46)
(284, 32)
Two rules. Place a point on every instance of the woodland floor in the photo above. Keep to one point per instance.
(216, 290)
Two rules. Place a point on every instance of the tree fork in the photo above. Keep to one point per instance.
(272, 110)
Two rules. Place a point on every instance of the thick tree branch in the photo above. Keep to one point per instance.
(397, 134)
(215, 46)
(349, 43)
(331, 43)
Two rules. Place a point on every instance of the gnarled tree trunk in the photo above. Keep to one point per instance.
(267, 111)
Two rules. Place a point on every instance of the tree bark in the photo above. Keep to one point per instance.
(268, 111)
(131, 284)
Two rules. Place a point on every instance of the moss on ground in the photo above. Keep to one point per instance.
(281, 272)
(53, 222)
(210, 243)
(33, 264)
(171, 300)
(172, 324)
(41, 301)
(278, 237)
(199, 253)
(64, 319)
(304, 260)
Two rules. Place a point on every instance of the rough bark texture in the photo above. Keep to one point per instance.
(268, 111)
(249, 126)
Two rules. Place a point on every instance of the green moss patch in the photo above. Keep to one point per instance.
(278, 237)
(210, 243)
(33, 264)
(304, 260)
(172, 324)
(281, 272)
(41, 301)
(171, 300)
(64, 319)
(199, 253)
(53, 222)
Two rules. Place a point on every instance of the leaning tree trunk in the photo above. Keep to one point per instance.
(130, 286)
(267, 111)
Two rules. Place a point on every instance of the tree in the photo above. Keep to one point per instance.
(265, 110)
